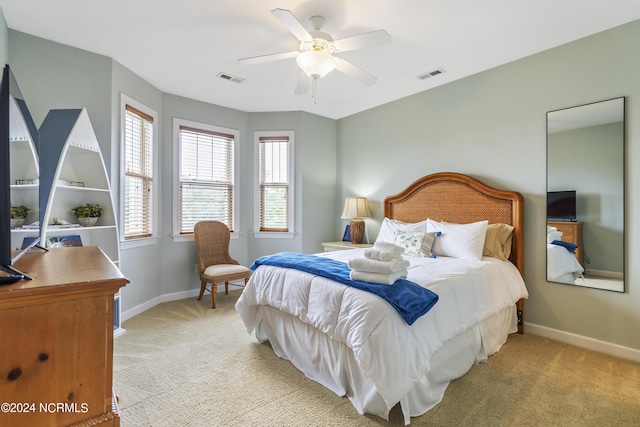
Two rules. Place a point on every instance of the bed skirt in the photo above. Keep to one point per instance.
(333, 364)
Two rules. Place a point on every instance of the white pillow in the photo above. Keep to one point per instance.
(459, 240)
(390, 226)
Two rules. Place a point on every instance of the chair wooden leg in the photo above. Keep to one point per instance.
(214, 292)
(203, 286)
(226, 288)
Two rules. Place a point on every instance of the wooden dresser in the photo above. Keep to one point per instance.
(56, 340)
(572, 233)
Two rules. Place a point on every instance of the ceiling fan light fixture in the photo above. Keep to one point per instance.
(316, 63)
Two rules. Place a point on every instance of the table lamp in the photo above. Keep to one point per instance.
(356, 208)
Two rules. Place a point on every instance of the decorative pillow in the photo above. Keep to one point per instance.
(390, 226)
(411, 241)
(427, 244)
(459, 240)
(497, 244)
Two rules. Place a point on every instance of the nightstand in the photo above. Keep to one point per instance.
(341, 246)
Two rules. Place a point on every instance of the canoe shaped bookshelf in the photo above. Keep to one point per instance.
(77, 178)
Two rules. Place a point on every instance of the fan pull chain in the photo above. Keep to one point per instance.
(313, 89)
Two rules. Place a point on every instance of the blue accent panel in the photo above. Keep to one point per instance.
(54, 131)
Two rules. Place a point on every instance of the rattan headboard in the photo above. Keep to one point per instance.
(454, 197)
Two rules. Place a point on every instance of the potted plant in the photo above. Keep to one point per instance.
(88, 214)
(18, 215)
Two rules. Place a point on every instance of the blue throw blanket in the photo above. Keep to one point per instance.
(408, 298)
(567, 245)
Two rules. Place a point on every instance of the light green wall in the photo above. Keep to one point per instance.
(315, 153)
(4, 40)
(58, 76)
(53, 76)
(492, 126)
(145, 283)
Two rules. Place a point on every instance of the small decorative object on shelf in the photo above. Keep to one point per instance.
(18, 215)
(70, 183)
(27, 181)
(89, 221)
(88, 214)
(60, 241)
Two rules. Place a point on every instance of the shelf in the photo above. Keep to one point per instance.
(25, 230)
(68, 137)
(71, 188)
(25, 187)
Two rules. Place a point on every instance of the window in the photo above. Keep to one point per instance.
(206, 175)
(137, 186)
(274, 199)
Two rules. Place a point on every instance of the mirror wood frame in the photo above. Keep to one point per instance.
(598, 176)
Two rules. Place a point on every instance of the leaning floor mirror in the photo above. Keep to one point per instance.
(585, 195)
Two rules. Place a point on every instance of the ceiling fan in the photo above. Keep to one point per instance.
(316, 55)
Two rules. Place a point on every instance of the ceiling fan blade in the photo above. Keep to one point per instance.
(359, 74)
(267, 58)
(304, 82)
(289, 20)
(374, 38)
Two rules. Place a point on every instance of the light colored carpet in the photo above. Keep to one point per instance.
(598, 282)
(184, 364)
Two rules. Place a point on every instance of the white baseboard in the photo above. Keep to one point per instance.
(141, 308)
(582, 341)
(604, 273)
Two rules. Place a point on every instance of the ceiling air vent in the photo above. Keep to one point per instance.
(231, 78)
(431, 74)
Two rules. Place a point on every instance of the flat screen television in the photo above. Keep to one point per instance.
(561, 205)
(18, 141)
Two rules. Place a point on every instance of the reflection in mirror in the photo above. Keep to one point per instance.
(585, 195)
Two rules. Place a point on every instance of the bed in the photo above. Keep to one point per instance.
(354, 343)
(562, 265)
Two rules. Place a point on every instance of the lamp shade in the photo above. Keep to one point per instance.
(316, 63)
(356, 207)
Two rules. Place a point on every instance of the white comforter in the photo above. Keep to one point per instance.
(392, 354)
(562, 265)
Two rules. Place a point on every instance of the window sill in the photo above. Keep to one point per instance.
(273, 235)
(137, 243)
(181, 238)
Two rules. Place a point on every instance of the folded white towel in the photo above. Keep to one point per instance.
(375, 266)
(379, 278)
(388, 247)
(554, 235)
(379, 255)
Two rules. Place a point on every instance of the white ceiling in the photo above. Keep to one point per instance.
(181, 46)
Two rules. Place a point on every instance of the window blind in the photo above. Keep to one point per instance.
(274, 183)
(138, 180)
(206, 177)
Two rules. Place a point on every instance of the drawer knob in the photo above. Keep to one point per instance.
(14, 374)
